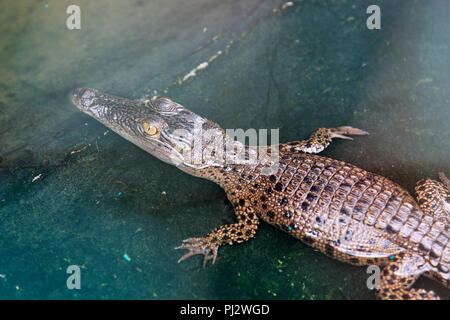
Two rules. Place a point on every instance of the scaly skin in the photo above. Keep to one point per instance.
(346, 212)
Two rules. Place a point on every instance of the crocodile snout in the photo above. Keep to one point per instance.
(83, 98)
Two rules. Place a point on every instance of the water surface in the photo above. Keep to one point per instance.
(96, 197)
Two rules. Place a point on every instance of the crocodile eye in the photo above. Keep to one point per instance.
(164, 103)
(149, 129)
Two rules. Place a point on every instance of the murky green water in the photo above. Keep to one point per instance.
(96, 197)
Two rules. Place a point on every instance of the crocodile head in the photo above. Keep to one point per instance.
(161, 127)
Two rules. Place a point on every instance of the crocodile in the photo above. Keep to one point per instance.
(347, 213)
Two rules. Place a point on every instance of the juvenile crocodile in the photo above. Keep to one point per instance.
(346, 212)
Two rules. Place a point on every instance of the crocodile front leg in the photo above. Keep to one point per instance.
(238, 232)
(320, 139)
(399, 275)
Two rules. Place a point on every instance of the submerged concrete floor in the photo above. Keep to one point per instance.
(73, 193)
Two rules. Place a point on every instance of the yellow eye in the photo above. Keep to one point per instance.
(151, 130)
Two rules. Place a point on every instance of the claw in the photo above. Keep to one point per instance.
(205, 260)
(214, 255)
(188, 240)
(351, 131)
(185, 256)
(337, 135)
(341, 131)
(198, 246)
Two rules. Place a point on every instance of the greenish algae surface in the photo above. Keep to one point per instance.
(99, 202)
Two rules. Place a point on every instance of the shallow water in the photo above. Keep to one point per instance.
(72, 192)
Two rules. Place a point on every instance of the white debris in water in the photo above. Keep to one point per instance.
(214, 57)
(205, 64)
(287, 4)
(193, 72)
(201, 66)
(37, 177)
(82, 149)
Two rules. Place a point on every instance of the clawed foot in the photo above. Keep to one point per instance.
(340, 132)
(199, 246)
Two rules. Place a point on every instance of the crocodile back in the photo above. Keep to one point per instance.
(341, 209)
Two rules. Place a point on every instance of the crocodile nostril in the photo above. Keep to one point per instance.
(77, 93)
